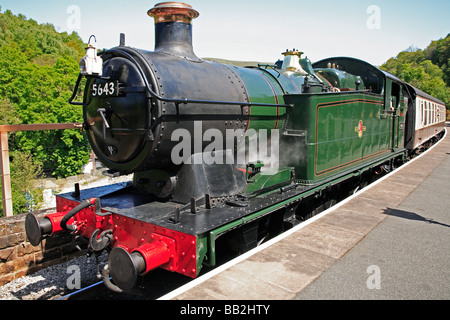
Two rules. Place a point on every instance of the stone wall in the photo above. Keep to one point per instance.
(19, 258)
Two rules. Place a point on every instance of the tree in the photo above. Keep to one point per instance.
(427, 70)
(38, 70)
(24, 169)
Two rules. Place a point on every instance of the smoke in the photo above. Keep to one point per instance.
(293, 153)
(262, 145)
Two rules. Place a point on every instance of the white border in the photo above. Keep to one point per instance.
(214, 272)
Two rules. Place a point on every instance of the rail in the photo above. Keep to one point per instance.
(5, 172)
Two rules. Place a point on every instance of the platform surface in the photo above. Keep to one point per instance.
(390, 241)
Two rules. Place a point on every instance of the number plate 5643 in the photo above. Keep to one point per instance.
(107, 89)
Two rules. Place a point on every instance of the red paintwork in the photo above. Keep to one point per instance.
(161, 247)
(133, 235)
(156, 253)
(55, 219)
(87, 221)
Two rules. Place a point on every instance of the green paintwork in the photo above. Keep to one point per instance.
(340, 79)
(291, 82)
(202, 249)
(340, 131)
(306, 65)
(396, 108)
(214, 234)
(264, 180)
(261, 87)
(326, 137)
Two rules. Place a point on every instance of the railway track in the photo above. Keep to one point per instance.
(158, 283)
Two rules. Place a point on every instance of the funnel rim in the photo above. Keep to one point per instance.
(173, 8)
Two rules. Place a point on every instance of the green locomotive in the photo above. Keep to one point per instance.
(221, 154)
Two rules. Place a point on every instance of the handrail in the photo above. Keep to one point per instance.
(40, 126)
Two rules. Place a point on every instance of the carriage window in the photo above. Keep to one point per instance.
(429, 112)
(422, 107)
(432, 114)
(424, 113)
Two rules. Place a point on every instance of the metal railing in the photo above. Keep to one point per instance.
(5, 172)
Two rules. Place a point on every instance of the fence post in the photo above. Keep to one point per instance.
(5, 175)
(5, 172)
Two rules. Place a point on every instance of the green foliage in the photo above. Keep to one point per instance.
(38, 70)
(24, 169)
(7, 112)
(427, 70)
(25, 192)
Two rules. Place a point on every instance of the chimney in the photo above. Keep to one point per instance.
(173, 29)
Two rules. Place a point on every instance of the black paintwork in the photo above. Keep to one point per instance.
(120, 199)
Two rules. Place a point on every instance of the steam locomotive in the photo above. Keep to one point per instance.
(224, 152)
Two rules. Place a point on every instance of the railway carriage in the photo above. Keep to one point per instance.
(222, 154)
(425, 121)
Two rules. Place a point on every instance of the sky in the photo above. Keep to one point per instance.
(259, 30)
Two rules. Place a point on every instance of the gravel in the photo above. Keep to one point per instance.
(56, 281)
(52, 282)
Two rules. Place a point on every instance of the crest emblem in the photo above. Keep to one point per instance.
(360, 129)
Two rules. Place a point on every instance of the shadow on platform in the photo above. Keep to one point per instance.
(411, 216)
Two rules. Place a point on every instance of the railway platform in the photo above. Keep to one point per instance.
(388, 241)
